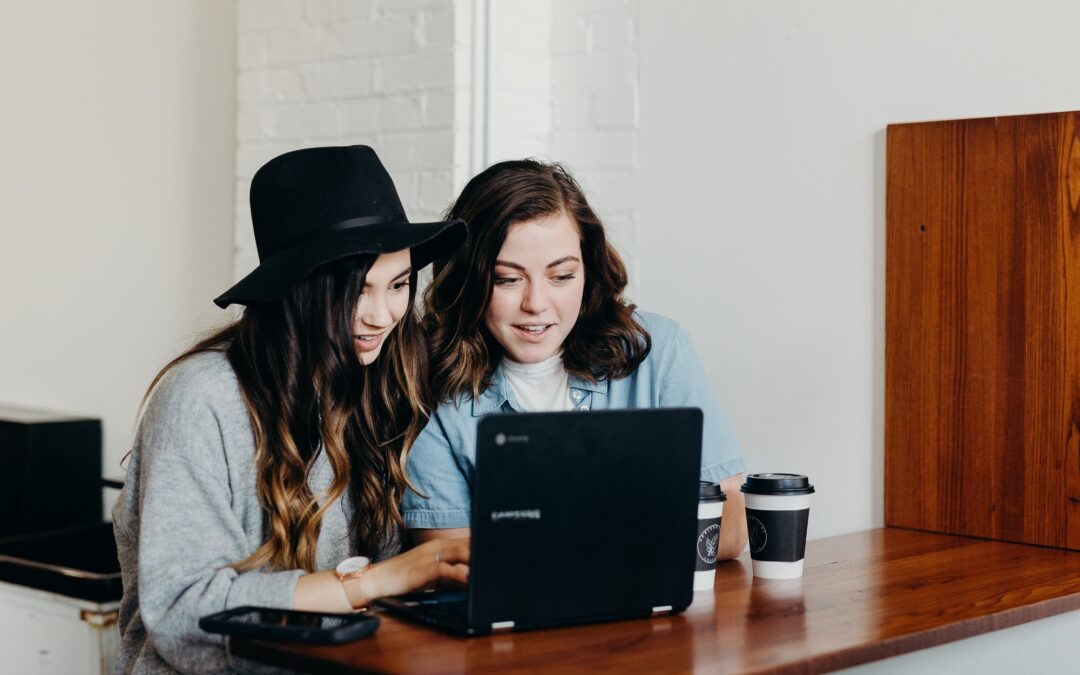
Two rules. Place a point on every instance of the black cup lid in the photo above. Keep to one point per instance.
(777, 484)
(710, 492)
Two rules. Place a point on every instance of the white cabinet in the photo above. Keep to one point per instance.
(45, 633)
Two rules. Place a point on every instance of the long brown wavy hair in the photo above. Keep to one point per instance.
(306, 392)
(606, 342)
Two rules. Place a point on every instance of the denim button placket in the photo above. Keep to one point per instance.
(580, 399)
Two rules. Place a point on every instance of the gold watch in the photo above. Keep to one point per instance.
(350, 570)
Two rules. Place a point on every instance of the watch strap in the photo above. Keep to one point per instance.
(353, 589)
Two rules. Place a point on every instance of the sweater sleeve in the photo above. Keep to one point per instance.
(188, 533)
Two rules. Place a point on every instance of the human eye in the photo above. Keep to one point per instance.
(564, 278)
(506, 281)
(399, 285)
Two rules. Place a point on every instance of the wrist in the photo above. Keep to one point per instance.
(320, 592)
(366, 589)
(352, 573)
(355, 593)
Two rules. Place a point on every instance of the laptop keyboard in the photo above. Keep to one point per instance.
(453, 611)
(448, 609)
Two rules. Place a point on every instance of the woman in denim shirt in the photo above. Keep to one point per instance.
(529, 316)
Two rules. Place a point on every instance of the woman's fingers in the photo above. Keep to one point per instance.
(458, 572)
(438, 559)
(453, 560)
(455, 552)
(462, 572)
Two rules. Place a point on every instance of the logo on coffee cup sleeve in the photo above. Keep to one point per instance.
(708, 542)
(759, 536)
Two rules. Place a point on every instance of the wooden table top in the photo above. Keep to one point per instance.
(864, 596)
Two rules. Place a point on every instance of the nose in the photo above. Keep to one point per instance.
(534, 299)
(374, 310)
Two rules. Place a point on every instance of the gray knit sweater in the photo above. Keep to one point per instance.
(189, 509)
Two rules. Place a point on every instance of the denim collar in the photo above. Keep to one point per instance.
(500, 393)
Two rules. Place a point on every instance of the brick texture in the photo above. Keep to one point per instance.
(330, 72)
(594, 74)
(441, 92)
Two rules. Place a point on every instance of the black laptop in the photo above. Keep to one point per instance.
(577, 517)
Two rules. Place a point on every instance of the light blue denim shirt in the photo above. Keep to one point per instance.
(442, 460)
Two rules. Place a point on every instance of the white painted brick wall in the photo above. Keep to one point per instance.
(442, 88)
(338, 80)
(595, 110)
(519, 110)
(330, 72)
(563, 86)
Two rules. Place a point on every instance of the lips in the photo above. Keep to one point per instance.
(532, 332)
(369, 343)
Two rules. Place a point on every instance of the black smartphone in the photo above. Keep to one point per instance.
(291, 625)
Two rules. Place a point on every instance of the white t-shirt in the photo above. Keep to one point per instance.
(539, 387)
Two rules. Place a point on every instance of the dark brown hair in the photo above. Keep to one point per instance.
(606, 341)
(307, 391)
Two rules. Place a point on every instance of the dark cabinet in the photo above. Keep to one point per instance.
(50, 471)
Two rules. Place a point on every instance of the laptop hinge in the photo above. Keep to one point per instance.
(502, 625)
(662, 609)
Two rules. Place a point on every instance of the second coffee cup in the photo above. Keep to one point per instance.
(710, 512)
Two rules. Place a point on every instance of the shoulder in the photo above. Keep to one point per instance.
(198, 403)
(455, 405)
(453, 413)
(458, 418)
(202, 379)
(663, 330)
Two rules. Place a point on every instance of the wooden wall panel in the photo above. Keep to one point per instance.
(982, 354)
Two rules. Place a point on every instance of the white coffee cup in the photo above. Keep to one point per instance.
(777, 514)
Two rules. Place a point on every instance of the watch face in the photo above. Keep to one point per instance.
(350, 565)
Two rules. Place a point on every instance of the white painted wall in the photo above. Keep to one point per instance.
(594, 94)
(762, 197)
(518, 94)
(334, 72)
(116, 174)
(563, 87)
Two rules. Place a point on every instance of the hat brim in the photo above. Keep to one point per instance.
(280, 272)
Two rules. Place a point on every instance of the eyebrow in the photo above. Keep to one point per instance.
(556, 263)
(405, 272)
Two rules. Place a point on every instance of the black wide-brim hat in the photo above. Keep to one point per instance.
(314, 206)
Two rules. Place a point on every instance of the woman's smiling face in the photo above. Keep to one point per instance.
(539, 281)
(384, 300)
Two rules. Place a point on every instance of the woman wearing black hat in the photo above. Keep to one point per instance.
(271, 455)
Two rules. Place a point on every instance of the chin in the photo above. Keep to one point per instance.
(532, 355)
(368, 358)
